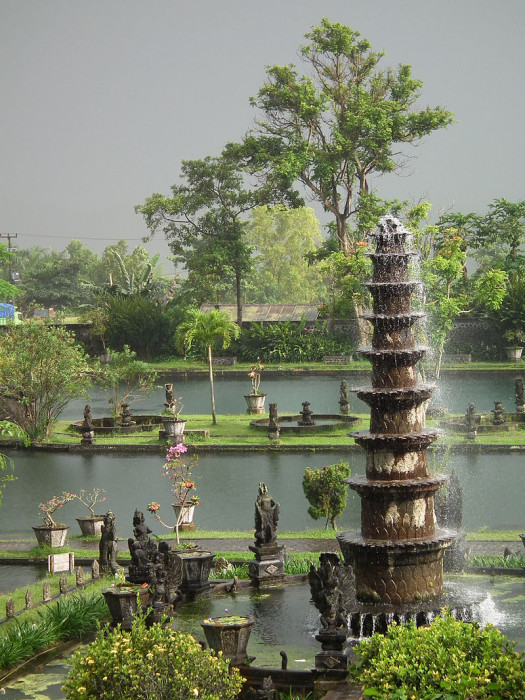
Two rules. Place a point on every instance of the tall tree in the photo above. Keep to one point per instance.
(282, 240)
(204, 331)
(203, 220)
(331, 130)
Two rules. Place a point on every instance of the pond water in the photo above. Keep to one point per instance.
(285, 619)
(227, 485)
(453, 391)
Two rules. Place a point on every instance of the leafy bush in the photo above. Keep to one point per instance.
(154, 662)
(447, 660)
(326, 491)
(288, 342)
(138, 321)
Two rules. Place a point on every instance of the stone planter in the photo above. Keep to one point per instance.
(91, 525)
(229, 634)
(51, 536)
(196, 568)
(174, 430)
(255, 402)
(514, 354)
(123, 601)
(188, 510)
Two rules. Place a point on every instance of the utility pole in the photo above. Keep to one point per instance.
(14, 277)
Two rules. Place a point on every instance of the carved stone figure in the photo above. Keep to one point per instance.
(498, 414)
(88, 429)
(266, 517)
(108, 545)
(142, 550)
(170, 398)
(306, 415)
(471, 421)
(125, 416)
(273, 423)
(140, 529)
(344, 401)
(327, 593)
(519, 391)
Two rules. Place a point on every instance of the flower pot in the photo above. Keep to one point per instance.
(51, 536)
(196, 568)
(514, 354)
(188, 509)
(255, 402)
(229, 634)
(91, 524)
(174, 429)
(123, 602)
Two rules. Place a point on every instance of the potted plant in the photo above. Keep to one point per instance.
(51, 533)
(256, 398)
(515, 340)
(178, 469)
(229, 634)
(172, 424)
(91, 524)
(124, 600)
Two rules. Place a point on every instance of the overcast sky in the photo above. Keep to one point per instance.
(102, 99)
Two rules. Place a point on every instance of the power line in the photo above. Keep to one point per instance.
(83, 238)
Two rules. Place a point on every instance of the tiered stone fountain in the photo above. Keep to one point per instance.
(397, 557)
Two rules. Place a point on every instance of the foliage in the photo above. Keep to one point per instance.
(70, 618)
(498, 561)
(178, 469)
(205, 331)
(287, 341)
(283, 239)
(203, 225)
(42, 368)
(139, 322)
(326, 491)
(49, 508)
(9, 429)
(8, 291)
(344, 275)
(149, 662)
(126, 377)
(333, 129)
(448, 659)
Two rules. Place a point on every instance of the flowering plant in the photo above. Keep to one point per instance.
(255, 376)
(48, 508)
(90, 499)
(178, 469)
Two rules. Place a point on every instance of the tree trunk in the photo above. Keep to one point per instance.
(212, 389)
(342, 235)
(239, 299)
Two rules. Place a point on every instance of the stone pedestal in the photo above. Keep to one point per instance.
(268, 567)
(333, 655)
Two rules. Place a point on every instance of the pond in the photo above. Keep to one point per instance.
(285, 619)
(454, 391)
(227, 486)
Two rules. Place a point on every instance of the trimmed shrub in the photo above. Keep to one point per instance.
(447, 660)
(154, 662)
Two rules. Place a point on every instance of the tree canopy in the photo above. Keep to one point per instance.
(331, 129)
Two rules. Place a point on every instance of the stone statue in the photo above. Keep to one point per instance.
(273, 423)
(108, 545)
(266, 517)
(519, 391)
(498, 414)
(344, 401)
(140, 529)
(471, 422)
(125, 416)
(327, 592)
(142, 550)
(306, 415)
(88, 429)
(448, 503)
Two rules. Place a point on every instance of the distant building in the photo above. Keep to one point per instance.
(269, 313)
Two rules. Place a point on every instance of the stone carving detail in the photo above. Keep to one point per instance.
(107, 547)
(266, 517)
(330, 589)
(344, 401)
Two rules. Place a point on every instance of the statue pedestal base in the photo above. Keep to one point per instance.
(333, 656)
(268, 567)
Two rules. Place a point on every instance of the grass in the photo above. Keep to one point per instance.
(513, 561)
(484, 535)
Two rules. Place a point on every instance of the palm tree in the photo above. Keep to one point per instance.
(205, 330)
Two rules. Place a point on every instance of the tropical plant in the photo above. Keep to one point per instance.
(448, 659)
(204, 331)
(149, 662)
(178, 469)
(41, 369)
(326, 491)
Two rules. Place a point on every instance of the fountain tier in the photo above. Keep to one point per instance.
(397, 557)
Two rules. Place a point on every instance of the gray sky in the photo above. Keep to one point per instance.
(102, 99)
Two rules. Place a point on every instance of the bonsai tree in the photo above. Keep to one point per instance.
(326, 491)
(48, 508)
(126, 377)
(90, 500)
(204, 331)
